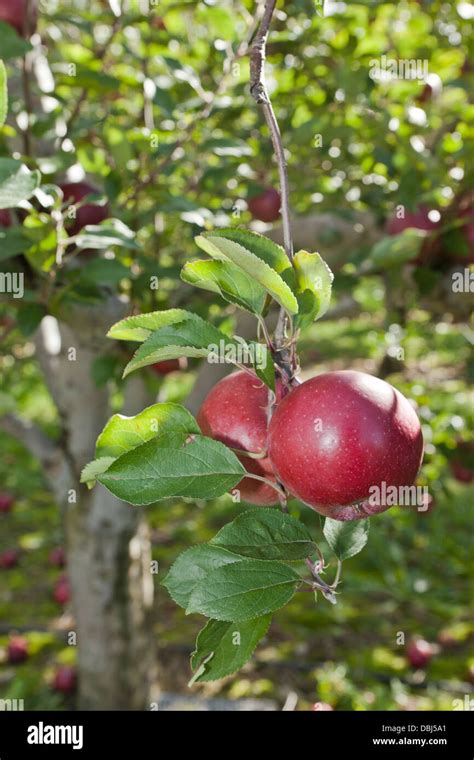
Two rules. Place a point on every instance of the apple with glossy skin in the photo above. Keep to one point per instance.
(88, 213)
(9, 558)
(57, 557)
(65, 679)
(170, 365)
(235, 413)
(266, 206)
(17, 650)
(13, 12)
(6, 502)
(419, 652)
(61, 591)
(337, 436)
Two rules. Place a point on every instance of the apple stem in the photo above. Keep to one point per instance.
(278, 489)
(250, 454)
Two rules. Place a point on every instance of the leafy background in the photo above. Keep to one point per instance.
(169, 174)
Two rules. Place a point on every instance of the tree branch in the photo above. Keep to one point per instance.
(32, 437)
(259, 93)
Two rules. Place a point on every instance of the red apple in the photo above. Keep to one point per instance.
(322, 707)
(14, 12)
(266, 206)
(9, 558)
(74, 192)
(65, 679)
(170, 365)
(61, 591)
(462, 464)
(57, 557)
(417, 219)
(17, 650)
(339, 435)
(5, 218)
(419, 652)
(235, 412)
(6, 501)
(158, 22)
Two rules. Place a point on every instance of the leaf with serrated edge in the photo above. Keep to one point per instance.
(229, 281)
(121, 434)
(222, 648)
(346, 538)
(191, 567)
(266, 534)
(222, 249)
(17, 182)
(314, 283)
(201, 469)
(93, 469)
(245, 591)
(141, 326)
(270, 252)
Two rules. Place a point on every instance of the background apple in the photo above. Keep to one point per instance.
(14, 12)
(462, 462)
(9, 558)
(57, 557)
(17, 650)
(65, 679)
(6, 502)
(5, 218)
(170, 365)
(340, 433)
(61, 591)
(419, 652)
(235, 412)
(89, 213)
(266, 206)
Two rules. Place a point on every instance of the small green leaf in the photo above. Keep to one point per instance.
(222, 648)
(17, 182)
(346, 538)
(93, 469)
(159, 469)
(122, 434)
(314, 283)
(222, 249)
(3, 94)
(244, 590)
(13, 240)
(29, 316)
(141, 326)
(263, 365)
(229, 281)
(266, 534)
(108, 233)
(394, 250)
(13, 46)
(262, 247)
(191, 567)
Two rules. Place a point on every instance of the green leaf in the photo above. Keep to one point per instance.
(222, 248)
(108, 233)
(17, 183)
(141, 326)
(346, 538)
(222, 648)
(200, 469)
(193, 336)
(394, 250)
(93, 469)
(263, 365)
(29, 316)
(262, 247)
(266, 534)
(13, 241)
(229, 281)
(244, 590)
(314, 283)
(13, 46)
(3, 94)
(122, 434)
(104, 272)
(191, 567)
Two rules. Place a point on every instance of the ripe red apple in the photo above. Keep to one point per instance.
(61, 591)
(322, 707)
(6, 502)
(266, 206)
(170, 365)
(5, 217)
(57, 557)
(74, 192)
(17, 650)
(419, 652)
(462, 464)
(65, 679)
(235, 413)
(9, 558)
(14, 12)
(417, 219)
(338, 435)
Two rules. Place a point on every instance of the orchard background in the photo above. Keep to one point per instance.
(150, 104)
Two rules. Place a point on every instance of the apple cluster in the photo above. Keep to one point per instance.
(328, 441)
